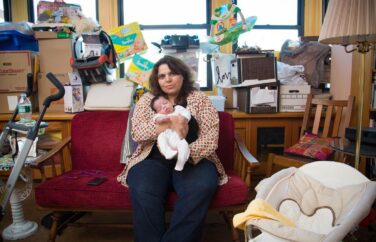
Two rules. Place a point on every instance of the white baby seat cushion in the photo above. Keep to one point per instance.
(323, 199)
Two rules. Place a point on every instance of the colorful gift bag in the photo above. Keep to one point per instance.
(128, 40)
(139, 71)
(57, 11)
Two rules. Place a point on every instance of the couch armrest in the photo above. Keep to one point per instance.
(244, 168)
(48, 159)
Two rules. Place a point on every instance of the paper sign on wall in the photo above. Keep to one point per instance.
(222, 70)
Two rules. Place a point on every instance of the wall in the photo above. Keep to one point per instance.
(340, 77)
(19, 11)
(312, 17)
(108, 14)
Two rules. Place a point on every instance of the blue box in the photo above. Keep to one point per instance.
(15, 40)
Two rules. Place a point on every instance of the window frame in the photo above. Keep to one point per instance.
(209, 81)
(7, 4)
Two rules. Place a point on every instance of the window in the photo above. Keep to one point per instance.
(276, 22)
(89, 7)
(171, 17)
(2, 17)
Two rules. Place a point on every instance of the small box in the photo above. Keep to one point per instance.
(231, 97)
(258, 98)
(74, 78)
(218, 102)
(73, 99)
(46, 88)
(9, 100)
(293, 98)
(14, 67)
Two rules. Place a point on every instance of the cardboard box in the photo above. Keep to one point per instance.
(54, 55)
(231, 97)
(51, 35)
(46, 88)
(258, 99)
(9, 100)
(14, 67)
(73, 99)
(293, 97)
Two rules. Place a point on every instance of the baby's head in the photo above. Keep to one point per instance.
(161, 105)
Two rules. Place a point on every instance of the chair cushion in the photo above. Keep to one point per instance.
(71, 191)
(311, 146)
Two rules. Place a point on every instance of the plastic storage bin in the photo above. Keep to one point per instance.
(15, 40)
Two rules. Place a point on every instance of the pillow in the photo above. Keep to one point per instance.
(114, 96)
(312, 146)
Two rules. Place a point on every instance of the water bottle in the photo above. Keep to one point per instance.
(24, 108)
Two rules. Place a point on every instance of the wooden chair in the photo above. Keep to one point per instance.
(330, 119)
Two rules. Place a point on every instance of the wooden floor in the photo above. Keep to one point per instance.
(215, 229)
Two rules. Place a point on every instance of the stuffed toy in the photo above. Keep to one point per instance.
(228, 34)
(84, 24)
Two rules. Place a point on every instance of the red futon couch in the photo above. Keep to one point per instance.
(95, 147)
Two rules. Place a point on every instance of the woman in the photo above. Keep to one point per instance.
(150, 177)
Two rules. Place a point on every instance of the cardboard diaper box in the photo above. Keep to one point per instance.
(14, 67)
(46, 88)
(293, 97)
(55, 55)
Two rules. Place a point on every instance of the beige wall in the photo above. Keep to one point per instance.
(108, 14)
(19, 10)
(312, 17)
(340, 74)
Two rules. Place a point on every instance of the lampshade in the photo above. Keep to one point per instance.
(349, 22)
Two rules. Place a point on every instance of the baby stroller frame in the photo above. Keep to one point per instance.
(31, 134)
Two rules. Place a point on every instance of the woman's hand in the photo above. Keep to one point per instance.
(177, 123)
(180, 125)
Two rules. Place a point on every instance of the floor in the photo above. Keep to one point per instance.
(215, 230)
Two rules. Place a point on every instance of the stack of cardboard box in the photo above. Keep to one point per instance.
(55, 52)
(14, 67)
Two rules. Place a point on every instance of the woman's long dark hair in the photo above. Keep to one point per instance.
(176, 66)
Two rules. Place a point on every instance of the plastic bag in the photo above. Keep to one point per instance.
(290, 75)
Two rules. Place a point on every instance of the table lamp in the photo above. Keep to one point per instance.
(352, 23)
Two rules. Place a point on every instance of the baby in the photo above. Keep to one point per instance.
(169, 141)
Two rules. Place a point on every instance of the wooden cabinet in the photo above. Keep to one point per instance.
(266, 133)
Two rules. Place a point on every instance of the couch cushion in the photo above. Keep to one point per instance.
(96, 140)
(71, 191)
